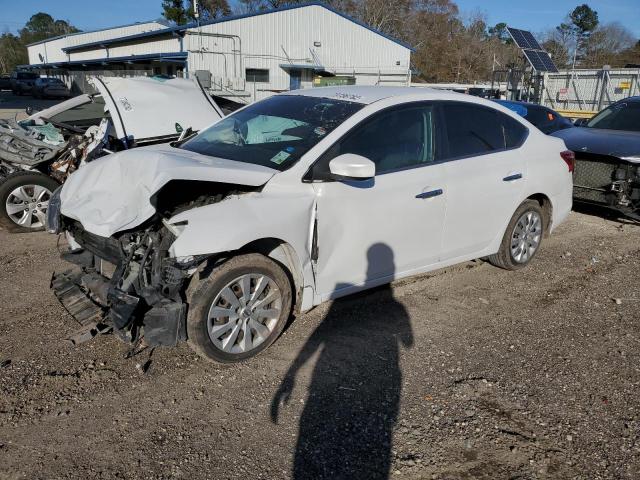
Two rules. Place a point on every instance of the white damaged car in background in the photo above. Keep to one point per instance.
(294, 200)
(39, 153)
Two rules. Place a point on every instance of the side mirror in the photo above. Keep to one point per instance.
(581, 122)
(29, 110)
(350, 166)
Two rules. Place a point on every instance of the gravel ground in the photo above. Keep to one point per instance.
(472, 372)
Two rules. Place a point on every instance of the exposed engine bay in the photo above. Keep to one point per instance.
(608, 181)
(128, 283)
(53, 148)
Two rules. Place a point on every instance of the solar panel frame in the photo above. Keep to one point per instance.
(524, 39)
(540, 61)
(548, 62)
(533, 43)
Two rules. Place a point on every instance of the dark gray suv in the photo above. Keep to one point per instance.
(22, 82)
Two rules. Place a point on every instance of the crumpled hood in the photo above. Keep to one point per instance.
(604, 142)
(113, 193)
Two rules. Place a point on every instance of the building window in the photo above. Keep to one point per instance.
(259, 75)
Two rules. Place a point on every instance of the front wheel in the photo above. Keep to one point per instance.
(522, 238)
(239, 309)
(24, 199)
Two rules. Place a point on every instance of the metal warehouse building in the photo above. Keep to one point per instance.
(245, 57)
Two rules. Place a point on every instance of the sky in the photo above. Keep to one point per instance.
(534, 15)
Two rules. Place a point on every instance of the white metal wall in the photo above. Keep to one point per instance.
(51, 50)
(290, 37)
(311, 35)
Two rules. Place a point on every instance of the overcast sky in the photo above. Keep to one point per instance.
(534, 15)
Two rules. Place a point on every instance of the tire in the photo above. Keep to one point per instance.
(527, 229)
(20, 187)
(226, 280)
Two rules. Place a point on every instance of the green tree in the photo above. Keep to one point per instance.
(42, 26)
(499, 31)
(581, 22)
(174, 11)
(182, 11)
(12, 53)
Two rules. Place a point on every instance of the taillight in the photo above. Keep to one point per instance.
(570, 158)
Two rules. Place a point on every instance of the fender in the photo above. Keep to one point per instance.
(239, 220)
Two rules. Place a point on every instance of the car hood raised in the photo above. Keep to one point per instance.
(615, 143)
(113, 193)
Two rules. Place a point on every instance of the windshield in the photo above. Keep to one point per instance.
(621, 116)
(275, 132)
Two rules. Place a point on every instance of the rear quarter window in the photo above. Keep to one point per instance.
(515, 133)
(474, 130)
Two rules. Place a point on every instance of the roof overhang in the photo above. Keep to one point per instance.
(306, 66)
(172, 57)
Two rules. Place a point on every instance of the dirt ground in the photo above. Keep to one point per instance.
(473, 372)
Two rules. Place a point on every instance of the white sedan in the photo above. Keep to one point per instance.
(300, 198)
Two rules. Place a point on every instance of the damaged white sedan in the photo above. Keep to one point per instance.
(295, 200)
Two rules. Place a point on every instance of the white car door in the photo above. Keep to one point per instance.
(373, 231)
(486, 174)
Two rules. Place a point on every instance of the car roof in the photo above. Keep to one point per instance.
(370, 94)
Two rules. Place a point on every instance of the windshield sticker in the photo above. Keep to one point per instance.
(290, 149)
(320, 131)
(280, 157)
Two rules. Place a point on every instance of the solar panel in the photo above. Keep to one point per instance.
(524, 39)
(541, 61)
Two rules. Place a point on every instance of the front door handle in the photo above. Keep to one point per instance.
(430, 194)
(511, 178)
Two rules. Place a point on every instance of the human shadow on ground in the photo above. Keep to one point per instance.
(347, 423)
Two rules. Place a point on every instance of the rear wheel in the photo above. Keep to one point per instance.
(24, 199)
(240, 309)
(522, 238)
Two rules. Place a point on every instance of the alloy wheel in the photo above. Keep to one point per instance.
(526, 236)
(27, 205)
(244, 313)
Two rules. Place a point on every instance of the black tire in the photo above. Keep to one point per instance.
(202, 293)
(16, 180)
(504, 258)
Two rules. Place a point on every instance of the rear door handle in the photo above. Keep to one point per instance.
(430, 194)
(511, 178)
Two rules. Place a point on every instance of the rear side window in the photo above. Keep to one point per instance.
(514, 132)
(474, 130)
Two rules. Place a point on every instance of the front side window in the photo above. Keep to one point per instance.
(275, 132)
(474, 130)
(621, 116)
(393, 140)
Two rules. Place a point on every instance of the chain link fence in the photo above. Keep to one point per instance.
(589, 91)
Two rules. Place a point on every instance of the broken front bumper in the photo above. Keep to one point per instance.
(98, 308)
(101, 296)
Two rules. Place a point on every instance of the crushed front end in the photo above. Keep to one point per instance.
(127, 284)
(608, 181)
